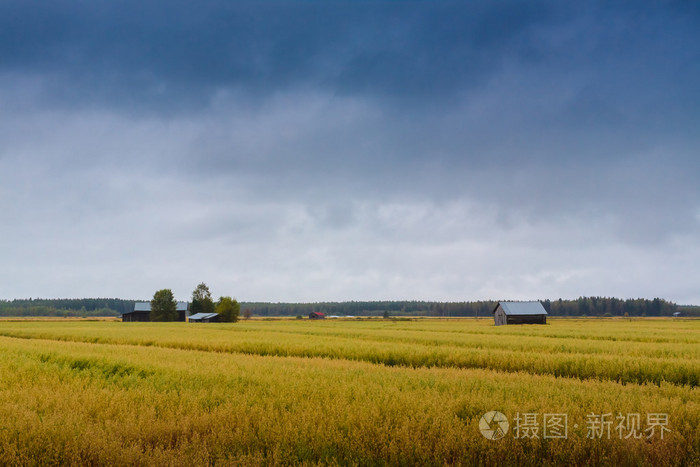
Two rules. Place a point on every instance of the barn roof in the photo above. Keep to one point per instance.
(146, 306)
(198, 316)
(522, 308)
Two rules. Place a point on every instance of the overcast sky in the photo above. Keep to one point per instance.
(350, 150)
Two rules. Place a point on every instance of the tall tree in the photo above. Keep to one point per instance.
(228, 309)
(163, 306)
(201, 300)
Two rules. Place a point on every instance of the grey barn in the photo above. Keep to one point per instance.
(142, 312)
(519, 313)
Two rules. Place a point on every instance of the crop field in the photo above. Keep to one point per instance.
(350, 392)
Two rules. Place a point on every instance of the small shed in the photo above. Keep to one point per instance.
(204, 318)
(519, 313)
(142, 312)
(676, 314)
(317, 315)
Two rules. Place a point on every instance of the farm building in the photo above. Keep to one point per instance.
(142, 312)
(519, 313)
(204, 318)
(316, 315)
(676, 314)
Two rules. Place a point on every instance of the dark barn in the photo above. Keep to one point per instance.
(519, 313)
(142, 312)
(316, 315)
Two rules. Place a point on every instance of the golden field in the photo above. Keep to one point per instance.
(349, 392)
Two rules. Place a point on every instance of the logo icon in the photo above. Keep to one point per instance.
(493, 425)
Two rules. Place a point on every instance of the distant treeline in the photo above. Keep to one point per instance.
(604, 306)
(584, 306)
(339, 308)
(72, 307)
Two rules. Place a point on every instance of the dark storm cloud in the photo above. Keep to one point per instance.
(157, 52)
(614, 75)
(184, 51)
(617, 71)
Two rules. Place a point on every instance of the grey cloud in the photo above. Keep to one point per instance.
(176, 55)
(348, 150)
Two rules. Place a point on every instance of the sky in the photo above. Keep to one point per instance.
(306, 151)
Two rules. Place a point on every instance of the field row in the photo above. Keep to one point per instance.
(81, 403)
(409, 344)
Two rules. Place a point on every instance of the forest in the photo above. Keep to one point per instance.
(66, 308)
(583, 306)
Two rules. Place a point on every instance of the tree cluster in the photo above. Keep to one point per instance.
(227, 308)
(201, 300)
(164, 306)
